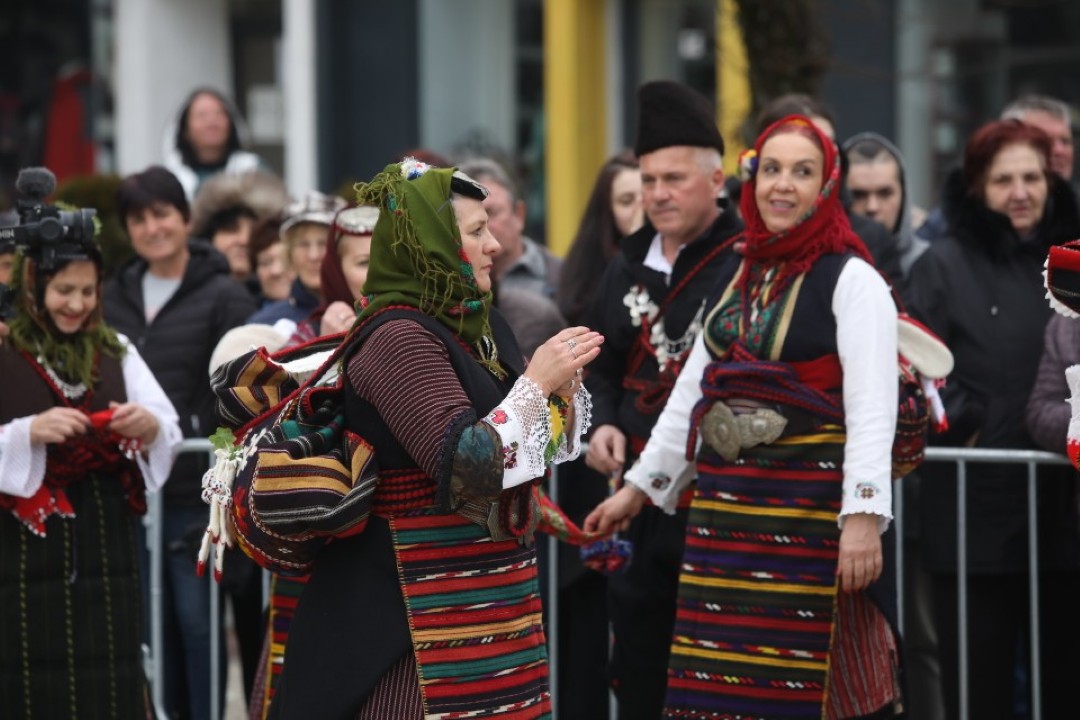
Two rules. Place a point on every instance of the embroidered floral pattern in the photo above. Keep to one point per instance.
(510, 456)
(498, 417)
(866, 490)
(640, 304)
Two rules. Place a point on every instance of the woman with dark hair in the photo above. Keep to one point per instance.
(270, 262)
(175, 300)
(980, 289)
(85, 431)
(228, 207)
(792, 389)
(614, 211)
(207, 139)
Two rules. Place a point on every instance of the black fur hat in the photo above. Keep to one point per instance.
(670, 113)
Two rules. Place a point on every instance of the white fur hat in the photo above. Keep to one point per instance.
(245, 338)
(925, 350)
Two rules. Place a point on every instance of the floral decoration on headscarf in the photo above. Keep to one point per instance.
(824, 229)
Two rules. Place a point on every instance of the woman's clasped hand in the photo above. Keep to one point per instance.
(556, 366)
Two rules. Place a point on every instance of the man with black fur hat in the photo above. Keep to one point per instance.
(649, 309)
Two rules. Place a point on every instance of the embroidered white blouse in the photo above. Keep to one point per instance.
(22, 463)
(866, 342)
(522, 421)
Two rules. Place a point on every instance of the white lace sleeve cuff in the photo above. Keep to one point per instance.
(22, 464)
(523, 421)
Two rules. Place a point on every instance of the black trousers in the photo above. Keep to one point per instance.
(641, 605)
(998, 620)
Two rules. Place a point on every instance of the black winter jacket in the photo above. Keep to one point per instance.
(981, 291)
(178, 343)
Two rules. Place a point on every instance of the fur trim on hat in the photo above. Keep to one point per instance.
(261, 192)
(922, 348)
(243, 339)
(670, 114)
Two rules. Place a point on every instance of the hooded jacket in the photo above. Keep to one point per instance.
(178, 343)
(908, 246)
(239, 161)
(980, 290)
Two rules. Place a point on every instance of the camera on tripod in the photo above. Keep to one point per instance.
(46, 234)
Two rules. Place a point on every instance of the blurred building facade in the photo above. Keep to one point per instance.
(334, 89)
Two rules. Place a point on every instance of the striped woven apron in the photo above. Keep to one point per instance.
(474, 614)
(757, 587)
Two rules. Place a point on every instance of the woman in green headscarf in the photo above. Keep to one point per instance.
(85, 430)
(434, 608)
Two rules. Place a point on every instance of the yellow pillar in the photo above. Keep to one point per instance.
(733, 99)
(574, 111)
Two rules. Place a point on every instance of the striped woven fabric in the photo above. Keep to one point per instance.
(397, 490)
(474, 609)
(284, 595)
(757, 588)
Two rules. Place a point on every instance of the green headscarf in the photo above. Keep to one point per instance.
(417, 258)
(32, 330)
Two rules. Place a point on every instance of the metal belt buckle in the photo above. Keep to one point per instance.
(728, 433)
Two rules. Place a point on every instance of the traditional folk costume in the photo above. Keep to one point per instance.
(69, 588)
(285, 590)
(429, 606)
(793, 386)
(650, 312)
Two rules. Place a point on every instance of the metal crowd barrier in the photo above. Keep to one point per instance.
(153, 656)
(959, 456)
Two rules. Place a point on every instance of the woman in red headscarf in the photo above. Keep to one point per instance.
(790, 397)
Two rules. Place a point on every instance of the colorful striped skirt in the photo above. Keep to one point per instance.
(757, 598)
(474, 615)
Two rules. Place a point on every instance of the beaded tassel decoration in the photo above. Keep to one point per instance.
(231, 457)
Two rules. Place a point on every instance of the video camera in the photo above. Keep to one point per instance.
(46, 234)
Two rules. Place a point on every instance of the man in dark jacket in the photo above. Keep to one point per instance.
(649, 308)
(175, 300)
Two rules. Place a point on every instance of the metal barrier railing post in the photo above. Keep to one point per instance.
(1033, 590)
(961, 581)
(1031, 458)
(898, 527)
(215, 651)
(553, 599)
(154, 533)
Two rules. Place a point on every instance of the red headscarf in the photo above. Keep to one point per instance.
(823, 230)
